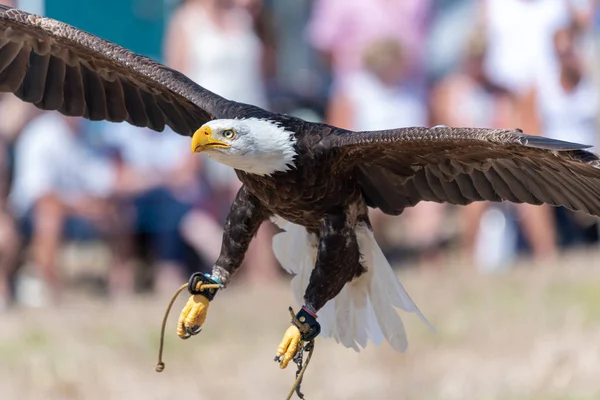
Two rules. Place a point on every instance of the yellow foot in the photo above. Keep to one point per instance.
(192, 316)
(288, 347)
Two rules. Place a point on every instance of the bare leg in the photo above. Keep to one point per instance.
(425, 220)
(540, 229)
(205, 241)
(470, 216)
(121, 276)
(380, 223)
(9, 250)
(169, 274)
(49, 215)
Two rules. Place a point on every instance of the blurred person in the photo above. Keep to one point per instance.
(10, 241)
(520, 49)
(341, 30)
(62, 188)
(263, 26)
(160, 182)
(20, 113)
(9, 235)
(562, 104)
(9, 253)
(519, 34)
(301, 78)
(468, 97)
(381, 96)
(215, 43)
(450, 25)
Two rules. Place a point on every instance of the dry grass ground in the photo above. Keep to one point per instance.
(525, 334)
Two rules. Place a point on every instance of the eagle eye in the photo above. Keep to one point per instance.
(228, 134)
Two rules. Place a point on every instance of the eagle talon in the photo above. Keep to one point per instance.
(186, 335)
(196, 329)
(298, 358)
(304, 329)
(192, 316)
(203, 289)
(288, 347)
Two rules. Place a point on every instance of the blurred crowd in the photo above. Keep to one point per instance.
(361, 65)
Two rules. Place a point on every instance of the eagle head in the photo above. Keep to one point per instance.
(252, 145)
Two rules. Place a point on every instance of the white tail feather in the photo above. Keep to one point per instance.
(365, 308)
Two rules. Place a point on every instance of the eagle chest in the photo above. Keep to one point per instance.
(296, 196)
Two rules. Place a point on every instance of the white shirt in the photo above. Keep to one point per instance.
(377, 106)
(147, 150)
(49, 157)
(520, 39)
(226, 62)
(569, 116)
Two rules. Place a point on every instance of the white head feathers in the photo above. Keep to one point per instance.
(259, 146)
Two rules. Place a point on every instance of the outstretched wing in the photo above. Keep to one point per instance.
(399, 168)
(58, 67)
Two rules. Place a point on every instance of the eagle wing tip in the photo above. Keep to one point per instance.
(545, 143)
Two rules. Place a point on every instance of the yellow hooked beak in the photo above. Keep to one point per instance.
(202, 140)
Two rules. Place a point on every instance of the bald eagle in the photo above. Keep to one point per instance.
(315, 181)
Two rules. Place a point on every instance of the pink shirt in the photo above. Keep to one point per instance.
(344, 28)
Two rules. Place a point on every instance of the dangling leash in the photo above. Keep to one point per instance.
(160, 365)
(307, 346)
